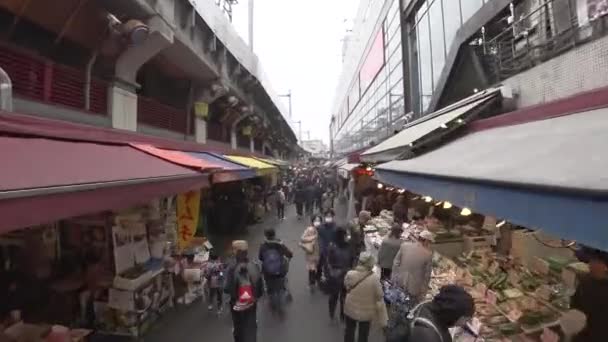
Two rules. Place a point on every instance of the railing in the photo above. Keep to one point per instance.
(40, 79)
(538, 34)
(156, 114)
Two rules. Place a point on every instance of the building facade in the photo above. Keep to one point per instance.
(369, 98)
(540, 51)
(173, 70)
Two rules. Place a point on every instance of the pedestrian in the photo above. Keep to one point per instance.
(274, 256)
(328, 201)
(413, 265)
(245, 287)
(309, 242)
(357, 232)
(281, 199)
(452, 307)
(327, 234)
(299, 199)
(310, 199)
(214, 276)
(400, 210)
(339, 261)
(364, 300)
(388, 250)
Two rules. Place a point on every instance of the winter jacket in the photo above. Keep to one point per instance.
(339, 260)
(591, 297)
(310, 237)
(327, 233)
(278, 245)
(387, 252)
(412, 269)
(364, 299)
(424, 333)
(231, 285)
(357, 241)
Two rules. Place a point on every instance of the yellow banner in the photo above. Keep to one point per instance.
(201, 109)
(188, 207)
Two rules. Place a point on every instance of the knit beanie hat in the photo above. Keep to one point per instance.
(451, 303)
(366, 259)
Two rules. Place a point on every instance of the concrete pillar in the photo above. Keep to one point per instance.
(251, 143)
(122, 97)
(205, 96)
(233, 129)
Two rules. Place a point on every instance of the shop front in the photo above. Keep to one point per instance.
(511, 202)
(87, 234)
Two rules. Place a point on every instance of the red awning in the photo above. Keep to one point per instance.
(44, 180)
(178, 157)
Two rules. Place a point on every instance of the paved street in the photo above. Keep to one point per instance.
(307, 318)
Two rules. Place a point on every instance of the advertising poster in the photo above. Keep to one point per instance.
(188, 207)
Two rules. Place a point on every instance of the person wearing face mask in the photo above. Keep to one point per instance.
(309, 242)
(327, 235)
(453, 306)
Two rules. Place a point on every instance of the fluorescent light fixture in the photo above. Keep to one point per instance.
(368, 168)
(401, 191)
(444, 126)
(427, 199)
(380, 186)
(465, 212)
(475, 90)
(438, 203)
(460, 121)
(447, 205)
(501, 223)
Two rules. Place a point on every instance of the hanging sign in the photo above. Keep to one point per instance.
(201, 109)
(247, 131)
(188, 206)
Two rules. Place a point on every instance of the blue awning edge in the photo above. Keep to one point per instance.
(231, 171)
(563, 215)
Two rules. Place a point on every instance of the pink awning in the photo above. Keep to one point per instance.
(178, 157)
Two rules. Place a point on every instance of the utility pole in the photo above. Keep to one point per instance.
(250, 10)
(288, 96)
(299, 130)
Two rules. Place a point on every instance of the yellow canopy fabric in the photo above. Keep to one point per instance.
(261, 168)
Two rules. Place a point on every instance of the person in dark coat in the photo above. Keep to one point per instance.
(327, 235)
(339, 262)
(453, 306)
(591, 296)
(299, 199)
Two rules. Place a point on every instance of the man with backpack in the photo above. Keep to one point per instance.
(244, 285)
(274, 256)
(214, 276)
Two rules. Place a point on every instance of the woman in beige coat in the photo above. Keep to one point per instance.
(309, 242)
(364, 300)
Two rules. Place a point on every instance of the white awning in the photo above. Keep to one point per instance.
(349, 167)
(448, 118)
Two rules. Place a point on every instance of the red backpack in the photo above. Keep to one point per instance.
(245, 292)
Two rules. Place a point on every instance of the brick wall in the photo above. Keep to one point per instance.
(582, 69)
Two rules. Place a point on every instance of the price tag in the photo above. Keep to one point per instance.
(491, 297)
(514, 277)
(549, 336)
(514, 315)
(481, 288)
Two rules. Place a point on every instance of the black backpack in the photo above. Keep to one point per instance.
(401, 329)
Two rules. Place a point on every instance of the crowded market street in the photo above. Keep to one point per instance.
(307, 318)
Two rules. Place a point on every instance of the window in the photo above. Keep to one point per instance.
(469, 7)
(437, 39)
(425, 61)
(452, 21)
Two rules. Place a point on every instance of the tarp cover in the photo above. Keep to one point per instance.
(231, 170)
(262, 169)
(392, 147)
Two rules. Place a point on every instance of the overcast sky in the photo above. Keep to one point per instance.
(299, 44)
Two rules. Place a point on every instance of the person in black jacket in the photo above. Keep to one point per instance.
(273, 248)
(452, 306)
(339, 261)
(242, 274)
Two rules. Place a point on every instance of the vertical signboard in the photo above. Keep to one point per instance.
(188, 207)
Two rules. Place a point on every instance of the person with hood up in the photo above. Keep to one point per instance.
(274, 256)
(244, 285)
(327, 234)
(309, 242)
(413, 265)
(339, 261)
(452, 307)
(357, 233)
(388, 250)
(364, 300)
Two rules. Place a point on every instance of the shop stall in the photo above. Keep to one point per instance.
(521, 268)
